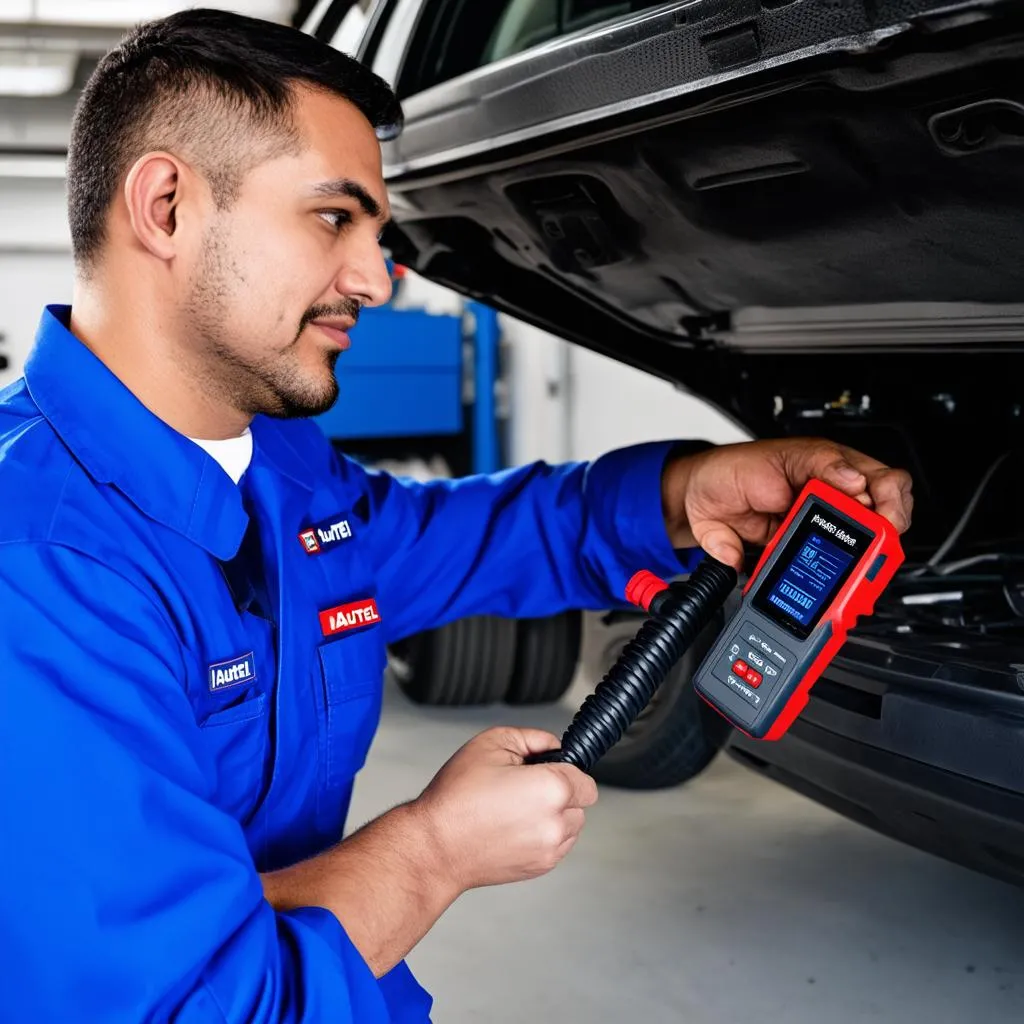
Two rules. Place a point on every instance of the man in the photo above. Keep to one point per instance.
(191, 677)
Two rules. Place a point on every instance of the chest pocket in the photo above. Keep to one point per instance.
(351, 680)
(235, 720)
(237, 738)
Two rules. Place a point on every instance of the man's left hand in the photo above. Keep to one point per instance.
(722, 497)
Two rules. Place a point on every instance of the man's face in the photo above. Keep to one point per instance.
(282, 273)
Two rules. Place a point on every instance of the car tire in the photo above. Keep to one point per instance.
(466, 662)
(677, 735)
(547, 653)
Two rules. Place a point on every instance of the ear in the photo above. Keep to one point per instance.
(152, 194)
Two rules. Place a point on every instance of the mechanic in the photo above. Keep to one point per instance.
(197, 592)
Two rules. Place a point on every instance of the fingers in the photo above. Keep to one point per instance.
(520, 743)
(536, 741)
(890, 491)
(828, 462)
(720, 542)
(574, 819)
(580, 790)
(576, 788)
(866, 479)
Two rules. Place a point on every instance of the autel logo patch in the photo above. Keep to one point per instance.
(233, 672)
(349, 616)
(325, 535)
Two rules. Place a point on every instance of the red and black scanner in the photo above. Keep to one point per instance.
(825, 567)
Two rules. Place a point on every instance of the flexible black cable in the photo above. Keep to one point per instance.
(678, 615)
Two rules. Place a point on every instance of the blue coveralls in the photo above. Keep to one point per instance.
(171, 725)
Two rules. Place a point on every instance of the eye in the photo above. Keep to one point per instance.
(336, 218)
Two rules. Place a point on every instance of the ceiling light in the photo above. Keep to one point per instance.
(15, 165)
(36, 72)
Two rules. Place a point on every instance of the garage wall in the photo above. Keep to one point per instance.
(33, 215)
(614, 405)
(35, 262)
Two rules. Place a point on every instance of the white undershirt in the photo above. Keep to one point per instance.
(233, 453)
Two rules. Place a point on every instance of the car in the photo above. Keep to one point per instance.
(809, 213)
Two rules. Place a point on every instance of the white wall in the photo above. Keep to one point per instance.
(28, 282)
(615, 405)
(33, 214)
(35, 262)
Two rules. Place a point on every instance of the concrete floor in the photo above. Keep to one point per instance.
(727, 901)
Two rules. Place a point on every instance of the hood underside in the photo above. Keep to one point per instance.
(849, 201)
(830, 244)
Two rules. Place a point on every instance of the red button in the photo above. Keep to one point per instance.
(740, 668)
(753, 678)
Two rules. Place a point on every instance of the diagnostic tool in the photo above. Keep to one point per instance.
(825, 567)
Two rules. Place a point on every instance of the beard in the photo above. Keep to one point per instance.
(272, 383)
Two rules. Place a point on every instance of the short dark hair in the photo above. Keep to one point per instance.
(212, 83)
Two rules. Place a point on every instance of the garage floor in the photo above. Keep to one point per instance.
(727, 901)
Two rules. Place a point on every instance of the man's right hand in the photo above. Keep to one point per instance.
(495, 819)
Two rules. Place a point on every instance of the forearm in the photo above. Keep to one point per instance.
(387, 885)
(525, 543)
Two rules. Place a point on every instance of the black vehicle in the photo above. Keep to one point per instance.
(811, 213)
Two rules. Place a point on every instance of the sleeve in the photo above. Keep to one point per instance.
(526, 542)
(128, 895)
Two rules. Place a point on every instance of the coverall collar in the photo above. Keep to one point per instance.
(120, 442)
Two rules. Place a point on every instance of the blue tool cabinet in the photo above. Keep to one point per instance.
(404, 378)
(401, 377)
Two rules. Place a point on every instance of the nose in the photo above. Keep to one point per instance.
(364, 273)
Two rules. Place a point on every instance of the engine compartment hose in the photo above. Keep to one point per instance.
(679, 612)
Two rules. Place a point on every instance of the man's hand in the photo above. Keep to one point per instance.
(486, 818)
(741, 492)
(494, 819)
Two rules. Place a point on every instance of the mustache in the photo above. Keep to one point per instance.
(345, 307)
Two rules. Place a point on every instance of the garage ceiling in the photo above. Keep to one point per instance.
(48, 48)
(122, 13)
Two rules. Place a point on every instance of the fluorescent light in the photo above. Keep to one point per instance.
(36, 72)
(14, 166)
(16, 11)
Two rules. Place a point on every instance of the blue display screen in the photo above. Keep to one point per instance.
(817, 558)
(810, 578)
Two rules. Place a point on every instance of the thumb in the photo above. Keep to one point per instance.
(720, 542)
(531, 741)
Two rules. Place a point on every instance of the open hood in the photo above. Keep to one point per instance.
(810, 213)
(813, 176)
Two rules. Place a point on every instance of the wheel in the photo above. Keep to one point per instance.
(465, 662)
(547, 652)
(677, 735)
